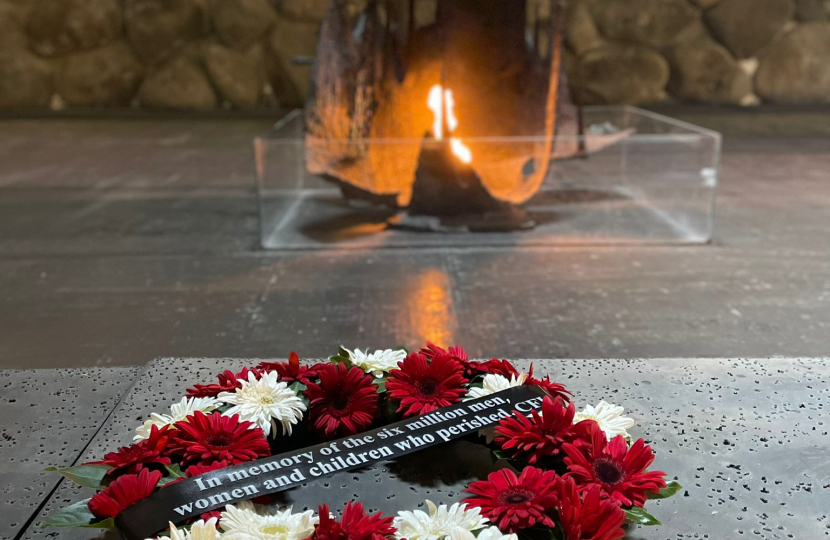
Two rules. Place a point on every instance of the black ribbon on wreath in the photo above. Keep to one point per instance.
(191, 497)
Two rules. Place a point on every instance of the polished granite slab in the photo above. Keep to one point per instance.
(746, 438)
(49, 417)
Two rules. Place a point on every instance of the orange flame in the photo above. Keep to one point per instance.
(440, 100)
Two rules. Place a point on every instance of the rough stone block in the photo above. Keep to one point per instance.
(581, 33)
(157, 29)
(178, 84)
(287, 41)
(425, 12)
(656, 23)
(706, 4)
(12, 30)
(703, 70)
(747, 26)
(25, 80)
(107, 76)
(797, 69)
(812, 10)
(58, 27)
(240, 23)
(620, 73)
(304, 10)
(235, 75)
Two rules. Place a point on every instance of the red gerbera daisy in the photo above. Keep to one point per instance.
(618, 470)
(590, 517)
(541, 435)
(123, 492)
(423, 387)
(512, 503)
(292, 370)
(456, 353)
(209, 438)
(354, 525)
(196, 470)
(432, 351)
(344, 402)
(494, 365)
(228, 382)
(131, 459)
(554, 389)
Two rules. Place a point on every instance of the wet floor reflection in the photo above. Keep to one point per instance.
(429, 303)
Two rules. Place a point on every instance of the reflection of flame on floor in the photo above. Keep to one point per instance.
(441, 102)
(429, 304)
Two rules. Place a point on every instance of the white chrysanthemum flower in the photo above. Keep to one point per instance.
(245, 521)
(201, 530)
(441, 522)
(609, 417)
(265, 402)
(490, 533)
(178, 412)
(377, 363)
(493, 383)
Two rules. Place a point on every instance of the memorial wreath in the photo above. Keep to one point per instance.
(213, 466)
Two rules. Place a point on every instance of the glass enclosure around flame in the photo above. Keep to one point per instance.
(643, 179)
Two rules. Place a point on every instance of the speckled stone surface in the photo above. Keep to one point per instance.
(747, 438)
(49, 416)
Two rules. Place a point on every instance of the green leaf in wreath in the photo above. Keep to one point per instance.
(670, 489)
(381, 384)
(476, 382)
(105, 524)
(164, 480)
(342, 357)
(174, 470)
(91, 476)
(76, 515)
(388, 411)
(299, 389)
(637, 515)
(499, 454)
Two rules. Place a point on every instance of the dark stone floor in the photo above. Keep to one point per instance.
(125, 240)
(49, 418)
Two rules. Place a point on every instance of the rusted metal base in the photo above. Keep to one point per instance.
(448, 196)
(512, 219)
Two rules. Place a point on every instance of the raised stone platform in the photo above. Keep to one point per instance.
(746, 438)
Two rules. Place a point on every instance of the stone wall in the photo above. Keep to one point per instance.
(170, 54)
(713, 51)
(243, 54)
